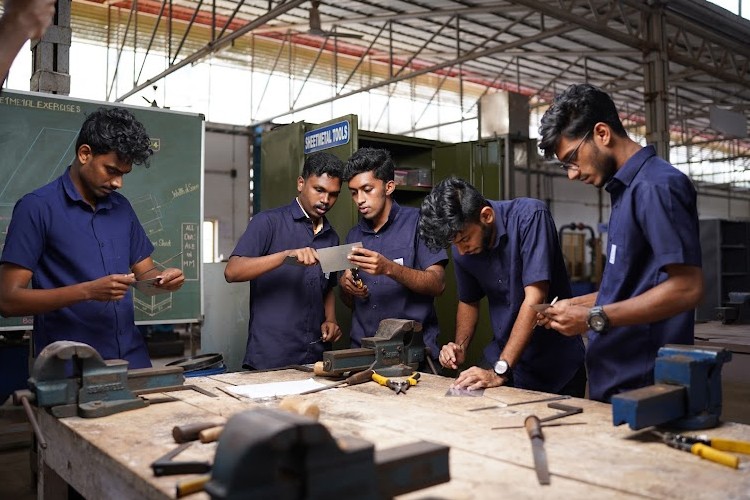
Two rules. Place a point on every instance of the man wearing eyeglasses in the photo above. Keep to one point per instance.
(652, 280)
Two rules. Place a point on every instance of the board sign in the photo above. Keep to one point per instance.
(330, 136)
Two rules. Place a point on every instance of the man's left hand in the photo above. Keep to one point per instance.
(171, 279)
(567, 319)
(478, 378)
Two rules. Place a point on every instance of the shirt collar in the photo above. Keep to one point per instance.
(72, 192)
(302, 214)
(631, 167)
(501, 223)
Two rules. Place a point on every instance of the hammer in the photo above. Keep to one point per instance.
(208, 432)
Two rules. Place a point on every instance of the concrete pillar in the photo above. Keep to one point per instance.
(51, 55)
(655, 76)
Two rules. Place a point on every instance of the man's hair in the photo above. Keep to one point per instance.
(116, 129)
(378, 161)
(574, 113)
(451, 205)
(321, 163)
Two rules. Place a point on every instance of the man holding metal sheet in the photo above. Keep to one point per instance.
(81, 247)
(507, 251)
(652, 280)
(292, 306)
(400, 276)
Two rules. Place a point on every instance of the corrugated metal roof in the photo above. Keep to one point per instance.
(536, 47)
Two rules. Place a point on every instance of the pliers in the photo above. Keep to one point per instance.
(711, 449)
(355, 277)
(398, 386)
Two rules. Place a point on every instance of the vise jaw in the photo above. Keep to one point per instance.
(71, 378)
(686, 393)
(267, 453)
(396, 350)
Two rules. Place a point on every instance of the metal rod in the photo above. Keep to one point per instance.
(34, 424)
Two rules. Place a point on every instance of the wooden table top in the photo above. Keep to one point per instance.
(111, 456)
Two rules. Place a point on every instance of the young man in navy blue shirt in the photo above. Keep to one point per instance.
(652, 280)
(80, 245)
(400, 276)
(292, 307)
(507, 251)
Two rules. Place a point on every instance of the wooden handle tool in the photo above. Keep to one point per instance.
(190, 432)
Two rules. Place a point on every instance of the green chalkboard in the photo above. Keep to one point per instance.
(37, 143)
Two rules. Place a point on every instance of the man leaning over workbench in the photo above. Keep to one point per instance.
(653, 279)
(80, 245)
(292, 307)
(400, 276)
(507, 251)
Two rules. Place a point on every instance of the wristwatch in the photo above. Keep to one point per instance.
(598, 320)
(502, 368)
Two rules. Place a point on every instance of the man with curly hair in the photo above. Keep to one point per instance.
(508, 252)
(80, 245)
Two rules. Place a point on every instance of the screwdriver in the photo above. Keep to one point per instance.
(354, 379)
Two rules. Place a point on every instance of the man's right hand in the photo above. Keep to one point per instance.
(452, 355)
(112, 287)
(306, 256)
(33, 16)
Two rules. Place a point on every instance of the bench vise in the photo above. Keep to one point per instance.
(71, 378)
(396, 350)
(686, 393)
(268, 453)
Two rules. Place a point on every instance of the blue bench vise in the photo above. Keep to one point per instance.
(686, 393)
(273, 454)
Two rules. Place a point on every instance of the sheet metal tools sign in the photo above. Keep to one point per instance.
(330, 136)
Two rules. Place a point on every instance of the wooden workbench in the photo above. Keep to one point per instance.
(110, 457)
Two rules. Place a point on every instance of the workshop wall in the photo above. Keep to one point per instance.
(227, 196)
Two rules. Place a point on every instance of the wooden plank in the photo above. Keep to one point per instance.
(111, 456)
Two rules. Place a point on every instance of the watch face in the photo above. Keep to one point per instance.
(597, 323)
(501, 367)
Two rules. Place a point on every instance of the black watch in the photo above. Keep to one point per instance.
(502, 368)
(598, 320)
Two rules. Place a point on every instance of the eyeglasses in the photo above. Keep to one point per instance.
(568, 163)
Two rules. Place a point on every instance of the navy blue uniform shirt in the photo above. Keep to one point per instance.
(525, 251)
(397, 240)
(654, 222)
(56, 235)
(286, 304)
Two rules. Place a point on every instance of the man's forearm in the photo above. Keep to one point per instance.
(430, 282)
(467, 316)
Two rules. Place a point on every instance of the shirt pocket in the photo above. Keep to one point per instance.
(115, 255)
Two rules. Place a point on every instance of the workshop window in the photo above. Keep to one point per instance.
(210, 240)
